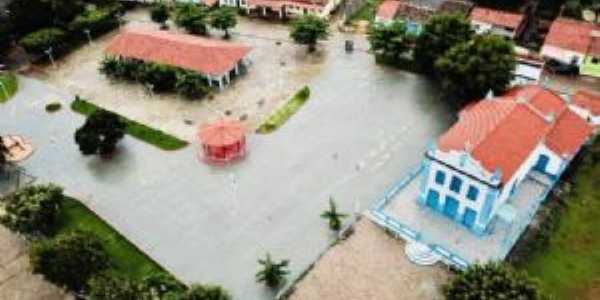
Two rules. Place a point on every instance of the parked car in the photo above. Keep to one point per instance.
(561, 68)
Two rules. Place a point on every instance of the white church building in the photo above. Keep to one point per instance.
(478, 164)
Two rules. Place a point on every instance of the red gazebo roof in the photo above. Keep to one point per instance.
(222, 133)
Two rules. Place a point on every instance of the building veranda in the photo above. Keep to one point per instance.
(216, 60)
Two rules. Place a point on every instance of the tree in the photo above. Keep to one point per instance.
(390, 40)
(223, 18)
(192, 17)
(111, 286)
(493, 281)
(440, 33)
(470, 70)
(272, 273)
(332, 215)
(308, 30)
(159, 13)
(70, 259)
(206, 292)
(29, 15)
(100, 133)
(33, 210)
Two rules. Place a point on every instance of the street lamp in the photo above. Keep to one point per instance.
(49, 53)
(89, 35)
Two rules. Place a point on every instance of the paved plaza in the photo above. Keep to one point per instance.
(363, 126)
(401, 213)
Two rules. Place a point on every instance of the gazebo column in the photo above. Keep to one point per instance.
(221, 83)
(227, 78)
(209, 79)
(237, 68)
(264, 11)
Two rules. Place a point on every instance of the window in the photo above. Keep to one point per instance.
(455, 184)
(472, 193)
(440, 177)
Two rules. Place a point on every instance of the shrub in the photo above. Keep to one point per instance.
(100, 133)
(111, 286)
(53, 107)
(161, 77)
(163, 283)
(69, 259)
(191, 85)
(33, 210)
(39, 41)
(206, 292)
(119, 68)
(492, 281)
(97, 21)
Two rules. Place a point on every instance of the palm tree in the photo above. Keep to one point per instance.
(272, 273)
(334, 218)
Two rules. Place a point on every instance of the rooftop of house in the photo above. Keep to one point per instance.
(574, 35)
(277, 4)
(420, 10)
(497, 17)
(203, 55)
(502, 132)
(587, 100)
(388, 9)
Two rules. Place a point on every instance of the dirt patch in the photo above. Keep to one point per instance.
(16, 279)
(370, 265)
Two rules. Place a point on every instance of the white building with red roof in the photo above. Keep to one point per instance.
(503, 23)
(587, 105)
(284, 8)
(574, 41)
(475, 167)
(216, 60)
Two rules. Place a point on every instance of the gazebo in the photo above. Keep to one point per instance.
(222, 141)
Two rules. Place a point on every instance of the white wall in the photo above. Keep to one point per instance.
(586, 114)
(561, 54)
(483, 28)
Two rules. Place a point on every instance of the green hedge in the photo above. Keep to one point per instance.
(283, 114)
(152, 136)
(98, 21)
(11, 84)
(163, 78)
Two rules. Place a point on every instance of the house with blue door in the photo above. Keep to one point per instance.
(472, 171)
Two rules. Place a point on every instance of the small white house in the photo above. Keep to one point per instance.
(284, 8)
(475, 168)
(503, 23)
(570, 40)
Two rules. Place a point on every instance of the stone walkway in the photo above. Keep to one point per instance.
(370, 265)
(16, 280)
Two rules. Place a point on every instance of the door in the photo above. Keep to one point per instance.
(433, 199)
(469, 217)
(542, 163)
(450, 207)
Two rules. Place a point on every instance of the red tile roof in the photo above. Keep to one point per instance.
(388, 9)
(571, 34)
(568, 134)
(497, 17)
(203, 55)
(502, 132)
(587, 100)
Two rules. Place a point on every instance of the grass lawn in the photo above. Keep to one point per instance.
(570, 267)
(150, 135)
(283, 114)
(10, 83)
(127, 259)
